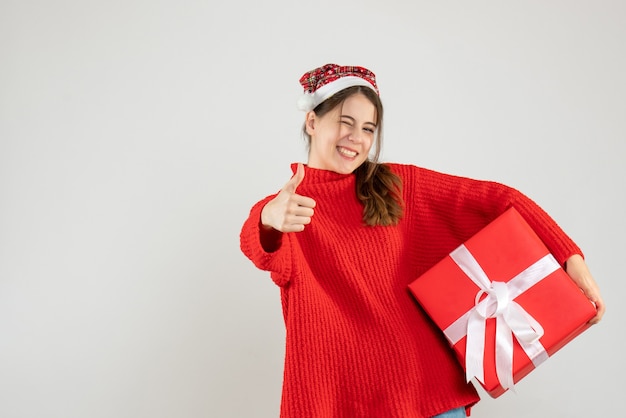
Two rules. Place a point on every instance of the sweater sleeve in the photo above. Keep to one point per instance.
(278, 258)
(467, 205)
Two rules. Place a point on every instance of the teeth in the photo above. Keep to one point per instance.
(347, 152)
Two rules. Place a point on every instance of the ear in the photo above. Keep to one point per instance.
(309, 122)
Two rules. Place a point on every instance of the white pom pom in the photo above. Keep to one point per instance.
(306, 102)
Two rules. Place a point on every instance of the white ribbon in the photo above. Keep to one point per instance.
(511, 318)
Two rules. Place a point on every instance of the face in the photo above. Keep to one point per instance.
(342, 138)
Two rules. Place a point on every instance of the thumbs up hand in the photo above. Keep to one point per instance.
(289, 211)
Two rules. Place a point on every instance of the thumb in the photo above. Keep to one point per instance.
(295, 181)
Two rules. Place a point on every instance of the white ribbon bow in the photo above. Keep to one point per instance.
(511, 318)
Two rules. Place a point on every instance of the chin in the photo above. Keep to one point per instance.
(348, 169)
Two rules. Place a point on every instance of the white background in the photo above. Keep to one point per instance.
(136, 135)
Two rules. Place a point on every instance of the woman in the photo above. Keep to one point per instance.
(344, 238)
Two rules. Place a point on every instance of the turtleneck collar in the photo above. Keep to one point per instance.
(316, 175)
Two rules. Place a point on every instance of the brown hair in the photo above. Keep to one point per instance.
(377, 187)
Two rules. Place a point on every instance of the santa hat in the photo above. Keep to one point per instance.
(321, 83)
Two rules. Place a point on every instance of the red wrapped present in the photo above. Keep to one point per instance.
(503, 302)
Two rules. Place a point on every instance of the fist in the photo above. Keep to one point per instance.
(289, 211)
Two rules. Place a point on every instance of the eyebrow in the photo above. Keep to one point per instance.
(354, 120)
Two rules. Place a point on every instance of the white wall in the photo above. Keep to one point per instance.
(135, 135)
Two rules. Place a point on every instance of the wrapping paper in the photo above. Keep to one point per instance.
(503, 302)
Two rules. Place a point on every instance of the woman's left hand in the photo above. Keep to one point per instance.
(577, 269)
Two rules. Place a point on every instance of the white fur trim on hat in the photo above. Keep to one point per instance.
(309, 101)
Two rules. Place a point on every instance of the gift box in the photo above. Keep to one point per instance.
(503, 302)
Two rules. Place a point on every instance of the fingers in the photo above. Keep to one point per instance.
(303, 201)
(593, 294)
(296, 223)
(600, 308)
(288, 211)
(295, 181)
(299, 209)
(298, 214)
(577, 269)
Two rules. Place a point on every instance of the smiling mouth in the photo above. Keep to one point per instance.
(346, 152)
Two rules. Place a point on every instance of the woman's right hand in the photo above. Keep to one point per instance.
(289, 211)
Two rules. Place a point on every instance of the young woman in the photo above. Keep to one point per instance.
(343, 239)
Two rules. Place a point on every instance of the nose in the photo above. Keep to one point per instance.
(355, 136)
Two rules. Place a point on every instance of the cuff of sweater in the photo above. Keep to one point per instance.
(255, 244)
(270, 238)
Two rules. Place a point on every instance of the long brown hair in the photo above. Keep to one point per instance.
(377, 187)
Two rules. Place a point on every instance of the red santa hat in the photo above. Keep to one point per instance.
(321, 83)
